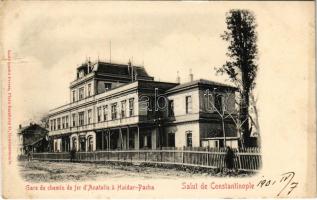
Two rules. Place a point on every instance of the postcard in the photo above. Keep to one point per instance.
(173, 99)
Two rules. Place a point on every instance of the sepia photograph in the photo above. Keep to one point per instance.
(158, 99)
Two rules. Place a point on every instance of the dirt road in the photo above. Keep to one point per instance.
(43, 171)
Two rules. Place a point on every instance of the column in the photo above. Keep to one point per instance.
(128, 139)
(137, 142)
(102, 140)
(109, 138)
(120, 138)
(154, 138)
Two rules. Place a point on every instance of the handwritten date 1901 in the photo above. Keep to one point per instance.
(286, 181)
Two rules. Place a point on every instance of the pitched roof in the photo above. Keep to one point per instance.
(33, 129)
(198, 83)
(120, 69)
(32, 134)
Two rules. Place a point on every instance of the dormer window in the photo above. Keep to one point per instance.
(107, 86)
(81, 74)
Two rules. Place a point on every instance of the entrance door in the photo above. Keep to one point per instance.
(90, 143)
(171, 139)
(82, 142)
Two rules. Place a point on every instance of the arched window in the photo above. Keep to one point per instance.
(74, 143)
(90, 143)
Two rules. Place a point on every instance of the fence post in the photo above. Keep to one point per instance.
(239, 159)
(183, 154)
(161, 154)
(207, 159)
(145, 156)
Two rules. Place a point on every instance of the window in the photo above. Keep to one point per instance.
(82, 143)
(171, 108)
(54, 124)
(66, 122)
(131, 107)
(74, 95)
(58, 123)
(74, 141)
(81, 118)
(145, 141)
(114, 111)
(123, 108)
(189, 139)
(63, 122)
(89, 89)
(188, 104)
(107, 86)
(105, 112)
(99, 114)
(81, 93)
(89, 113)
(219, 102)
(51, 125)
(74, 119)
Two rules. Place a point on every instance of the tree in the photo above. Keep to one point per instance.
(241, 66)
(227, 110)
(44, 121)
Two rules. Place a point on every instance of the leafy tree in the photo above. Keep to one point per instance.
(241, 66)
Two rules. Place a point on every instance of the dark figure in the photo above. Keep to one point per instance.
(229, 159)
(29, 155)
(72, 155)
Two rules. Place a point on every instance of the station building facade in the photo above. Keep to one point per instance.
(120, 107)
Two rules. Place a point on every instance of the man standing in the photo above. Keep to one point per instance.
(72, 155)
(229, 159)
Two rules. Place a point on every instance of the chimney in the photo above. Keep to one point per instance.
(130, 68)
(136, 75)
(88, 66)
(191, 76)
(178, 79)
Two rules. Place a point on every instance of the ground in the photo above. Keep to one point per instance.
(44, 171)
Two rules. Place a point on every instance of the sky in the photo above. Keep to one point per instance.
(166, 37)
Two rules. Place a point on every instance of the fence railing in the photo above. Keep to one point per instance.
(244, 159)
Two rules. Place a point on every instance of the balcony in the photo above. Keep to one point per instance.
(100, 125)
